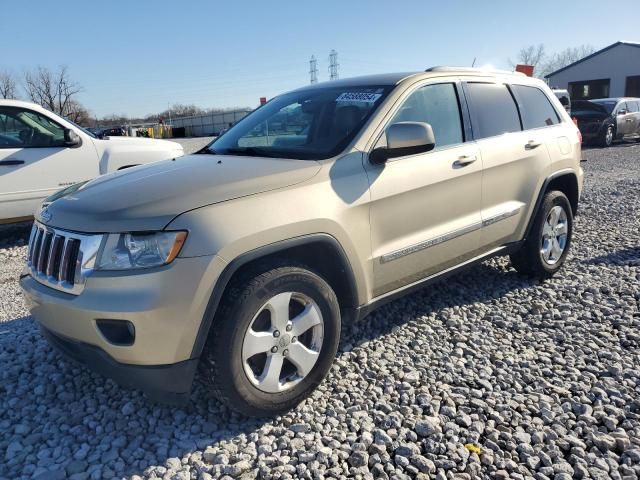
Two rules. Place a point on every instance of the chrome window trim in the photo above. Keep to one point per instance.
(84, 266)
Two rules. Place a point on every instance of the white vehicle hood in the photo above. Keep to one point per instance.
(118, 152)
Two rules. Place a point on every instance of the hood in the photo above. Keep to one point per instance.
(142, 142)
(148, 197)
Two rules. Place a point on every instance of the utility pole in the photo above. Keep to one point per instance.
(333, 65)
(313, 69)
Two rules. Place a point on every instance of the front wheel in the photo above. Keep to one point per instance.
(547, 245)
(273, 341)
(607, 137)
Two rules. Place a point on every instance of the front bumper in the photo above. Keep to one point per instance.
(166, 306)
(166, 383)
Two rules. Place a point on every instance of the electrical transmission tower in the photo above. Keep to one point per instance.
(333, 65)
(313, 69)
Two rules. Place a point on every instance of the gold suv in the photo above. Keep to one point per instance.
(245, 258)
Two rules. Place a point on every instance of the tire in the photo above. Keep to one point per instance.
(245, 323)
(539, 256)
(607, 137)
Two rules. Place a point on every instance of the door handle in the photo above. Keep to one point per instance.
(9, 163)
(531, 144)
(464, 160)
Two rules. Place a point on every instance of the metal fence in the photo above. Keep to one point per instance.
(208, 124)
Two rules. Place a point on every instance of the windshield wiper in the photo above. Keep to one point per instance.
(251, 152)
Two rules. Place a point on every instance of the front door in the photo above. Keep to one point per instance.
(425, 208)
(34, 162)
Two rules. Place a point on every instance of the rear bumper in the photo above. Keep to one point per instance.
(167, 383)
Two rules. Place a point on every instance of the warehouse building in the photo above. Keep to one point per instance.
(613, 71)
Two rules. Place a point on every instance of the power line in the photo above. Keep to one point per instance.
(313, 69)
(333, 65)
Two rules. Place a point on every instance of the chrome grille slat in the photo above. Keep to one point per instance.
(44, 250)
(61, 259)
(62, 275)
(54, 259)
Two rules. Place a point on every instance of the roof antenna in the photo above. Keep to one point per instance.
(473, 64)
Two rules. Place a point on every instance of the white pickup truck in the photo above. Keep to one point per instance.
(41, 153)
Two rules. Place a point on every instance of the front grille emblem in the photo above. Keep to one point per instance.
(46, 215)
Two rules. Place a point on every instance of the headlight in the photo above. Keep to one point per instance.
(125, 251)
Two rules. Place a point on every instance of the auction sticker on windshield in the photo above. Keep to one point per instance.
(358, 97)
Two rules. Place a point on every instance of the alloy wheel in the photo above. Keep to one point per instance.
(554, 235)
(283, 341)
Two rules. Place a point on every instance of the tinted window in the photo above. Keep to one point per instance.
(438, 106)
(535, 108)
(24, 128)
(493, 111)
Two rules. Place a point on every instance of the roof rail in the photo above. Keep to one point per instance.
(471, 70)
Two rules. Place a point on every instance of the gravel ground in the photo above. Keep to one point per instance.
(486, 375)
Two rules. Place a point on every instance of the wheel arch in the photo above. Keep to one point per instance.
(311, 250)
(565, 181)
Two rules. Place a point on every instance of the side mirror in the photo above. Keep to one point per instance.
(71, 138)
(622, 112)
(405, 138)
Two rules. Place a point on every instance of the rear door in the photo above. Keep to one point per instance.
(514, 161)
(34, 161)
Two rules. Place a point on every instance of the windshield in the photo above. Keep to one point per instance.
(312, 124)
(608, 105)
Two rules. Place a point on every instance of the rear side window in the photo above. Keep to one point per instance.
(535, 107)
(493, 110)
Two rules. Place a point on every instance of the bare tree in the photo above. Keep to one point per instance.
(53, 90)
(8, 85)
(532, 55)
(565, 57)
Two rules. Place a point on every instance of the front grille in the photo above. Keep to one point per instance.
(61, 259)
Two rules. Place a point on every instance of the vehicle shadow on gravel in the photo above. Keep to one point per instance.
(481, 283)
(94, 423)
(14, 235)
(625, 256)
(99, 426)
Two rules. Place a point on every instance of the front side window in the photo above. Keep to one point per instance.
(493, 110)
(27, 129)
(633, 107)
(535, 107)
(438, 106)
(308, 124)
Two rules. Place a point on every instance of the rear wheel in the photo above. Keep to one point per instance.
(546, 248)
(273, 341)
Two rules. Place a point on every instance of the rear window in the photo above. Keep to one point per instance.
(493, 110)
(535, 108)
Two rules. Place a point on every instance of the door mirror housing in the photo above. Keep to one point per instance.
(405, 138)
(71, 138)
(622, 111)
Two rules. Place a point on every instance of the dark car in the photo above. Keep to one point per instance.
(604, 120)
(102, 132)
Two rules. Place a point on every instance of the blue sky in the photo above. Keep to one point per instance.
(135, 57)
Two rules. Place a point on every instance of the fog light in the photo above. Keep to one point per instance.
(117, 332)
